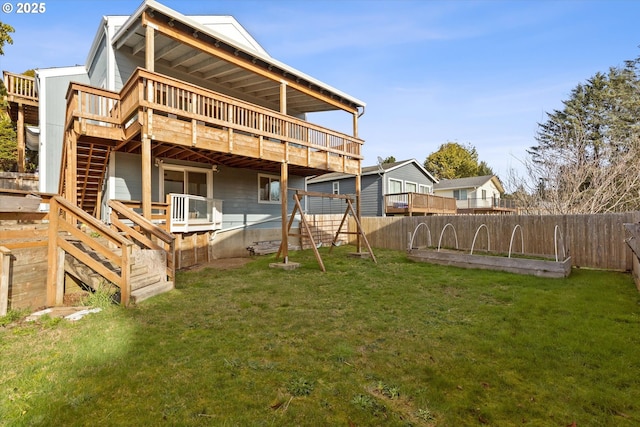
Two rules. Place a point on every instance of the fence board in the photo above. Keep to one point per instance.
(592, 241)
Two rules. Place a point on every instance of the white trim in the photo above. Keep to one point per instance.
(428, 189)
(410, 183)
(162, 166)
(335, 187)
(396, 180)
(271, 177)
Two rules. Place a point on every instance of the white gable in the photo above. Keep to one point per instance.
(231, 29)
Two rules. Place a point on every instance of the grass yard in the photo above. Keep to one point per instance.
(392, 344)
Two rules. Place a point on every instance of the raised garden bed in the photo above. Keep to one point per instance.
(520, 265)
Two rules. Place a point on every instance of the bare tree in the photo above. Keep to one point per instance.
(566, 181)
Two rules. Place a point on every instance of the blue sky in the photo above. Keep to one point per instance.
(476, 72)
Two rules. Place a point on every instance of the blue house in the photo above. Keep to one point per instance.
(398, 188)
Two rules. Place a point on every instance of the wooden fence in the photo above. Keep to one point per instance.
(592, 241)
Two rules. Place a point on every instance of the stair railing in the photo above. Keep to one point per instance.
(143, 231)
(67, 220)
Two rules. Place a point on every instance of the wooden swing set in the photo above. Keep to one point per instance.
(305, 229)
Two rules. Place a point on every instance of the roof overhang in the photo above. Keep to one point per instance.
(184, 46)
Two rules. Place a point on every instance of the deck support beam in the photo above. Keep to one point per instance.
(149, 53)
(283, 97)
(284, 179)
(20, 134)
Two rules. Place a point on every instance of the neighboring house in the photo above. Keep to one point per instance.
(399, 188)
(477, 194)
(185, 110)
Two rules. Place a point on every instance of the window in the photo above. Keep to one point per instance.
(410, 187)
(460, 194)
(484, 194)
(336, 187)
(185, 180)
(268, 189)
(395, 186)
(424, 189)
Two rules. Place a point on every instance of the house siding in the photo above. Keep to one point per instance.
(124, 67)
(374, 186)
(409, 173)
(371, 196)
(52, 118)
(237, 188)
(98, 67)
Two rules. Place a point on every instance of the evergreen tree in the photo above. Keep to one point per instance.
(587, 152)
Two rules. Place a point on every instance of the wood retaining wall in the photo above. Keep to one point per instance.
(592, 241)
(19, 181)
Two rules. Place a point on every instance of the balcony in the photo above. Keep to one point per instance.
(190, 213)
(487, 205)
(418, 204)
(208, 126)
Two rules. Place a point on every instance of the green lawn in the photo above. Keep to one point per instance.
(397, 344)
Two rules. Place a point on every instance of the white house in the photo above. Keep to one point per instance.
(477, 194)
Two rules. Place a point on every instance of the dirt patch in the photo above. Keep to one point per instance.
(222, 264)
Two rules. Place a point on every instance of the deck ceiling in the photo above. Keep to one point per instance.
(185, 56)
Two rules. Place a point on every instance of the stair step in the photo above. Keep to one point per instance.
(150, 291)
(138, 270)
(145, 281)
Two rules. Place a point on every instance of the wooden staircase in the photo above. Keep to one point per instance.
(92, 160)
(133, 254)
(147, 276)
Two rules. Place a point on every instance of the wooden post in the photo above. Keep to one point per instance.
(149, 53)
(146, 177)
(283, 97)
(5, 277)
(60, 277)
(284, 177)
(72, 170)
(125, 275)
(20, 134)
(52, 252)
(145, 167)
(355, 124)
(358, 215)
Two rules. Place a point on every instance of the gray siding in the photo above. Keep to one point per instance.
(98, 67)
(125, 66)
(410, 173)
(370, 204)
(372, 200)
(237, 188)
(52, 128)
(371, 196)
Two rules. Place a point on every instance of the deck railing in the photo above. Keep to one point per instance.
(194, 213)
(169, 96)
(92, 105)
(487, 203)
(183, 99)
(63, 218)
(21, 86)
(144, 232)
(418, 203)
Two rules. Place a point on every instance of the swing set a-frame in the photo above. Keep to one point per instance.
(305, 229)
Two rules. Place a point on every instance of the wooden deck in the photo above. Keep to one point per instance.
(418, 204)
(187, 122)
(486, 206)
